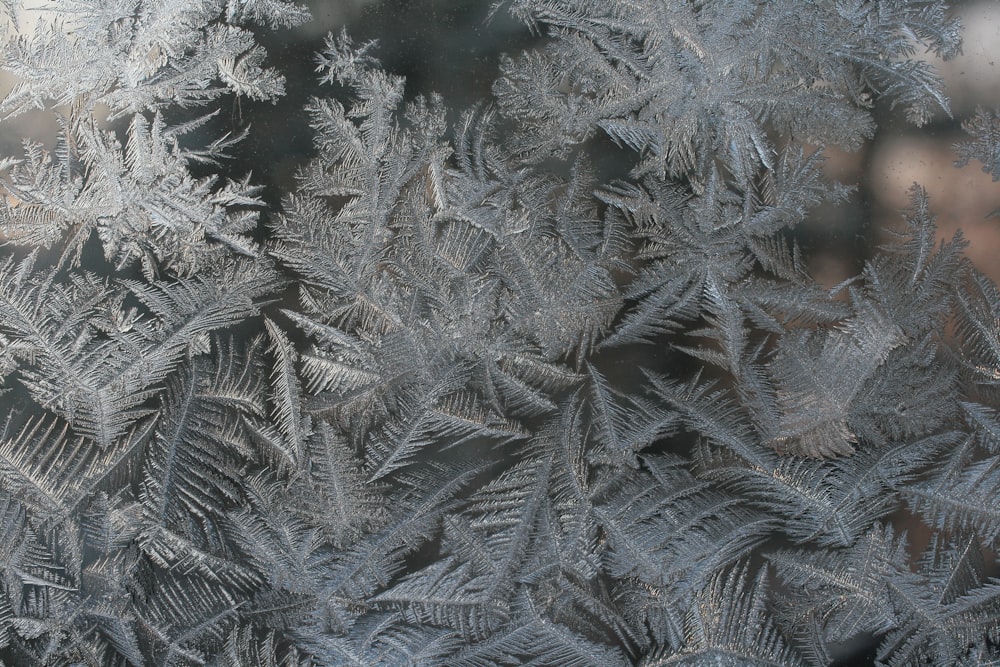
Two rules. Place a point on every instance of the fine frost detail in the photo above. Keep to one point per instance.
(462, 398)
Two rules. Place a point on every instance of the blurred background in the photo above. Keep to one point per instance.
(901, 155)
(453, 47)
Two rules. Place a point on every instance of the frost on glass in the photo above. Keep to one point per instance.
(472, 393)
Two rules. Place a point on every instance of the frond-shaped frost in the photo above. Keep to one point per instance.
(617, 67)
(74, 344)
(729, 625)
(913, 280)
(281, 545)
(295, 428)
(449, 594)
(384, 640)
(54, 472)
(678, 546)
(447, 421)
(533, 637)
(440, 444)
(368, 565)
(709, 412)
(965, 497)
(985, 423)
(338, 489)
(243, 649)
(836, 595)
(110, 523)
(626, 423)
(141, 198)
(503, 544)
(830, 503)
(189, 479)
(137, 56)
(29, 565)
(244, 75)
(84, 356)
(273, 13)
(187, 619)
(984, 128)
(699, 254)
(979, 327)
(818, 378)
(668, 534)
(944, 611)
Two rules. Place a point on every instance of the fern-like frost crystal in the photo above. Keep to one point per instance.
(545, 381)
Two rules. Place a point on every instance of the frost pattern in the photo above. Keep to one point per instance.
(460, 400)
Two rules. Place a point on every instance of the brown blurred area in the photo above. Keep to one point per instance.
(900, 156)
